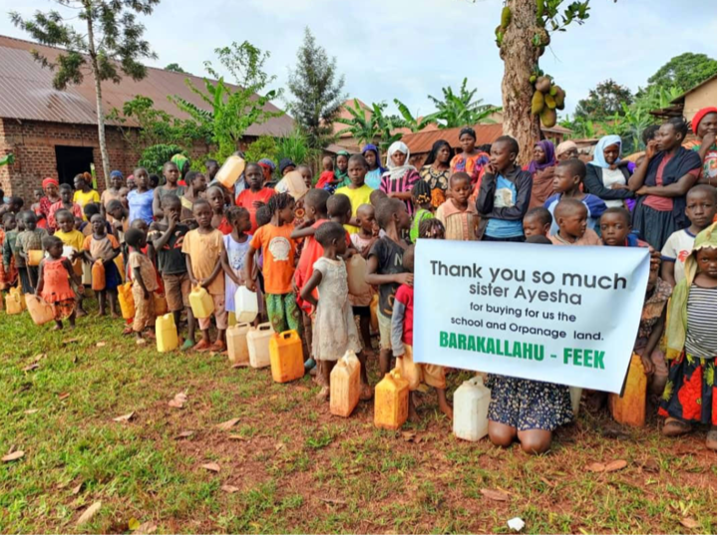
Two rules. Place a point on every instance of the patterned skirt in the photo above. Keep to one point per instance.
(690, 393)
(529, 404)
(63, 309)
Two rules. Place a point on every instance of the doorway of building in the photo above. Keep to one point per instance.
(72, 161)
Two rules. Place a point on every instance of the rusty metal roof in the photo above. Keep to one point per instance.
(27, 93)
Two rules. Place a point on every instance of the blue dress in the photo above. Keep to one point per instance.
(236, 259)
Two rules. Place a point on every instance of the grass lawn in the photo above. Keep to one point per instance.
(288, 466)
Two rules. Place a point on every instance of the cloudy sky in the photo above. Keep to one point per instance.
(408, 49)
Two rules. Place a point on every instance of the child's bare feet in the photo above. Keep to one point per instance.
(218, 346)
(446, 409)
(58, 326)
(201, 346)
(323, 394)
(366, 392)
(127, 330)
(81, 312)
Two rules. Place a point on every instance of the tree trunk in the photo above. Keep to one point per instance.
(98, 102)
(520, 58)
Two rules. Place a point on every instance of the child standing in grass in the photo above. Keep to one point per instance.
(203, 248)
(402, 342)
(27, 241)
(363, 241)
(334, 330)
(357, 191)
(73, 238)
(234, 256)
(385, 268)
(104, 248)
(690, 394)
(144, 283)
(10, 271)
(279, 252)
(54, 276)
(167, 239)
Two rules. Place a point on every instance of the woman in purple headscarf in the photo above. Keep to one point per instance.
(541, 168)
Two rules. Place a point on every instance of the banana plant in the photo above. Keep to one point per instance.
(408, 121)
(461, 110)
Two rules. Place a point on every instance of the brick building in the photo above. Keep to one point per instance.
(54, 133)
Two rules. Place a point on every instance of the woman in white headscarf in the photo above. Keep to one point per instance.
(398, 181)
(606, 175)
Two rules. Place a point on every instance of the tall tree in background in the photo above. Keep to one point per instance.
(607, 99)
(175, 67)
(684, 71)
(522, 37)
(110, 43)
(318, 95)
(460, 110)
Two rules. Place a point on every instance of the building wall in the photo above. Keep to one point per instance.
(701, 97)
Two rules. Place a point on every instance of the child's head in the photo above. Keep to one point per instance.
(537, 222)
(341, 161)
(216, 197)
(459, 188)
(615, 225)
(130, 182)
(38, 194)
(421, 194)
(65, 220)
(339, 208)
(285, 166)
(316, 203)
(171, 206)
(431, 228)
(504, 152)
(171, 172)
(652, 278)
(377, 196)
(154, 181)
(649, 133)
(239, 218)
(572, 217)
(90, 210)
(141, 178)
(136, 238)
(281, 207)
(140, 224)
(15, 203)
(80, 182)
(97, 224)
(392, 212)
(307, 174)
(409, 258)
(202, 213)
(66, 193)
(9, 221)
(706, 260)
(30, 220)
(116, 179)
(327, 164)
(331, 236)
(538, 239)
(212, 167)
(53, 246)
(701, 205)
(263, 216)
(568, 175)
(357, 169)
(366, 216)
(254, 176)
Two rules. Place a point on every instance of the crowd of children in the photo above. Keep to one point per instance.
(291, 250)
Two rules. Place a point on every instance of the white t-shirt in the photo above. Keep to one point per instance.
(677, 248)
(611, 177)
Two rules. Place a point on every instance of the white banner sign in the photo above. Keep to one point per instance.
(559, 314)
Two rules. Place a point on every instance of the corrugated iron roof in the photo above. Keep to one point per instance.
(26, 91)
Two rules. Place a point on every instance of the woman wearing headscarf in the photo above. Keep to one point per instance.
(541, 169)
(566, 151)
(691, 345)
(606, 175)
(183, 164)
(268, 167)
(398, 181)
(469, 160)
(437, 172)
(661, 181)
(52, 195)
(375, 170)
(703, 126)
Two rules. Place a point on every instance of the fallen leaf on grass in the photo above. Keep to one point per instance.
(125, 417)
(547, 482)
(133, 524)
(279, 446)
(236, 437)
(76, 490)
(690, 523)
(598, 467)
(31, 367)
(331, 500)
(145, 528)
(408, 436)
(13, 456)
(63, 395)
(495, 495)
(40, 356)
(184, 434)
(516, 524)
(239, 366)
(179, 400)
(229, 488)
(89, 513)
(71, 340)
(31, 411)
(100, 344)
(211, 466)
(228, 425)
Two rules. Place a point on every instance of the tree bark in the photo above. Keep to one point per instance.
(98, 101)
(520, 58)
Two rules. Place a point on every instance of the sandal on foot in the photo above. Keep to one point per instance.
(201, 346)
(128, 330)
(187, 345)
(674, 427)
(218, 346)
(711, 440)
